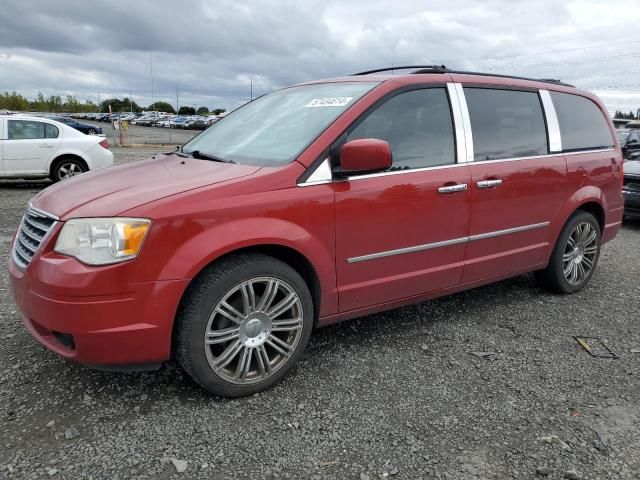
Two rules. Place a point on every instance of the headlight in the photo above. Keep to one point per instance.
(101, 241)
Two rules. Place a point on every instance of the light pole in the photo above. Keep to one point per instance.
(153, 100)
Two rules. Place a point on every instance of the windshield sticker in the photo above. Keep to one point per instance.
(329, 102)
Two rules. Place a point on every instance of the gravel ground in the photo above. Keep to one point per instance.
(397, 394)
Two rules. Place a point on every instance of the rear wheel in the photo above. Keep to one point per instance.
(243, 325)
(67, 168)
(574, 256)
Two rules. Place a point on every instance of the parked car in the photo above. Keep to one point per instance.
(81, 127)
(313, 204)
(629, 140)
(199, 125)
(37, 147)
(631, 188)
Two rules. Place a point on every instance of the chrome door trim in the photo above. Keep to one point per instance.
(415, 248)
(399, 172)
(446, 243)
(462, 123)
(321, 175)
(437, 167)
(553, 126)
(507, 231)
(458, 124)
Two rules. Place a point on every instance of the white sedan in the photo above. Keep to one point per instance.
(35, 147)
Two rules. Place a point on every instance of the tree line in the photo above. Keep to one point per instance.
(70, 104)
(628, 116)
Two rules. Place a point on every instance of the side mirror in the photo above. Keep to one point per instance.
(365, 155)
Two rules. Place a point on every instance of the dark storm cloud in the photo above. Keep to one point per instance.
(212, 50)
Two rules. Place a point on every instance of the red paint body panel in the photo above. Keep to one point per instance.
(201, 210)
(531, 193)
(393, 212)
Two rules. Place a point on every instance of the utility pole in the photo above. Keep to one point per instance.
(130, 102)
(153, 100)
(251, 88)
(177, 101)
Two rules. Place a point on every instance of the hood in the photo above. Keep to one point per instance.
(109, 192)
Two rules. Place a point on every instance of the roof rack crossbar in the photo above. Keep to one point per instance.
(442, 69)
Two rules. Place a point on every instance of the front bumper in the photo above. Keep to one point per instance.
(89, 315)
(631, 203)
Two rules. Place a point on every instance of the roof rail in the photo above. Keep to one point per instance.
(485, 74)
(423, 69)
(443, 69)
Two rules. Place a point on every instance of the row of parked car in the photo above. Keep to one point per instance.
(155, 119)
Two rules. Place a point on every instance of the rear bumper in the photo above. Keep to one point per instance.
(112, 330)
(99, 157)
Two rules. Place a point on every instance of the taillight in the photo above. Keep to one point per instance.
(104, 144)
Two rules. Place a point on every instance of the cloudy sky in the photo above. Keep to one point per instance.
(211, 51)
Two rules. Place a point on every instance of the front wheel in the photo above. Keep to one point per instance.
(91, 131)
(243, 324)
(574, 256)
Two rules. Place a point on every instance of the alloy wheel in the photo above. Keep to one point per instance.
(578, 259)
(69, 169)
(253, 330)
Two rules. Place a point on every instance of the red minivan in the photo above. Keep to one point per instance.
(319, 202)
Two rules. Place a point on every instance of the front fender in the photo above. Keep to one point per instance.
(217, 240)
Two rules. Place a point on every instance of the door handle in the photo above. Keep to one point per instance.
(459, 187)
(489, 183)
(46, 146)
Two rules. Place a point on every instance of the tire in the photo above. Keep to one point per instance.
(245, 331)
(65, 168)
(574, 257)
(91, 131)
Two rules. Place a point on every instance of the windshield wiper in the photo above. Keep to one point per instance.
(205, 156)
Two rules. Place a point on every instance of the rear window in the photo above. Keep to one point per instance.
(582, 124)
(506, 124)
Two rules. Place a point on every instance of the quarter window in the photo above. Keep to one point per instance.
(50, 131)
(582, 124)
(506, 124)
(417, 124)
(30, 130)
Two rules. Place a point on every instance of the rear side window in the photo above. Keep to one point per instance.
(418, 126)
(50, 131)
(582, 124)
(506, 124)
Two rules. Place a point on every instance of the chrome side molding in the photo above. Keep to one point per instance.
(446, 243)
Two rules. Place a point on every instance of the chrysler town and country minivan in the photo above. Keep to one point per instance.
(316, 203)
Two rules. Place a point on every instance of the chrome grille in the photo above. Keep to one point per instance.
(34, 228)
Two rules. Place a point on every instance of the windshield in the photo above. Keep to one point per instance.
(274, 129)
